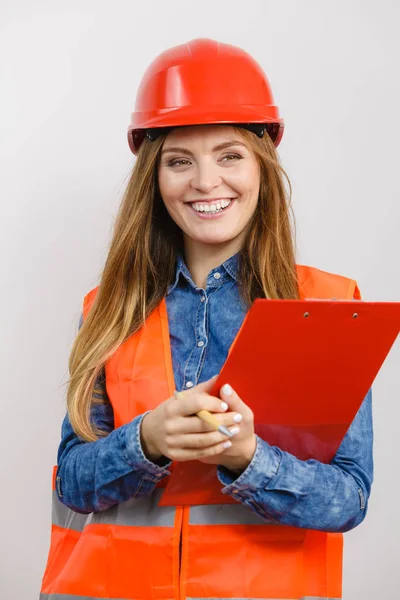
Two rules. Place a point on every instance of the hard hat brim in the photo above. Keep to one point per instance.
(193, 115)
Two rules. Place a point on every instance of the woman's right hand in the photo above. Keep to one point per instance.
(173, 429)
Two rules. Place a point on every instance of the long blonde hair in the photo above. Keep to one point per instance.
(141, 261)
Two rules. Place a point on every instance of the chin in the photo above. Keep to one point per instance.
(213, 240)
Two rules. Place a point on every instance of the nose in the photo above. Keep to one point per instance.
(206, 177)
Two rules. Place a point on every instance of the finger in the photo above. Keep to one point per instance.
(191, 403)
(213, 450)
(187, 454)
(233, 400)
(228, 418)
(205, 386)
(200, 440)
(196, 425)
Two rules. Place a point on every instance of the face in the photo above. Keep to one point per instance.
(209, 181)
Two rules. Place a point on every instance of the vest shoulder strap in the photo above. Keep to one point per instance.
(315, 283)
(88, 301)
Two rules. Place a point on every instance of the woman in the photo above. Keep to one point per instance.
(202, 231)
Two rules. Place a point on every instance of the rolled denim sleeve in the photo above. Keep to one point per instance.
(93, 476)
(310, 494)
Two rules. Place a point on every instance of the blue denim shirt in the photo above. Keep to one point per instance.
(278, 486)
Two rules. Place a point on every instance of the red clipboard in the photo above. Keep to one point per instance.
(304, 367)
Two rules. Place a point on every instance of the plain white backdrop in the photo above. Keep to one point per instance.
(69, 76)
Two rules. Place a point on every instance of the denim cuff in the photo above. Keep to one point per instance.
(257, 475)
(134, 455)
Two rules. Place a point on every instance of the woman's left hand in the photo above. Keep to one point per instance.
(240, 454)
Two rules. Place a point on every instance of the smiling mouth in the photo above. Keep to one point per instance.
(212, 208)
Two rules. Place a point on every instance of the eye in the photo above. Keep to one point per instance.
(173, 163)
(233, 156)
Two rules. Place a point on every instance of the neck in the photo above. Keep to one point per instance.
(201, 258)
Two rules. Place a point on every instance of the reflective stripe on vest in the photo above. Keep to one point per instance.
(64, 517)
(73, 597)
(70, 597)
(141, 512)
(226, 514)
(302, 598)
(145, 512)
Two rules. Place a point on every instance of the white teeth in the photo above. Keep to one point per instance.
(218, 206)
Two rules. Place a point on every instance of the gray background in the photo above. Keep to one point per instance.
(69, 75)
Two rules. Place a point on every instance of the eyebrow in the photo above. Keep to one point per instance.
(219, 147)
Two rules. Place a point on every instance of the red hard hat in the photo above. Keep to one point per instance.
(203, 82)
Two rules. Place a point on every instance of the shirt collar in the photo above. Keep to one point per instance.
(231, 266)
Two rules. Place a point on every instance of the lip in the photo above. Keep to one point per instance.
(217, 215)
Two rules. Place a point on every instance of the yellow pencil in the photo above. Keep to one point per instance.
(207, 417)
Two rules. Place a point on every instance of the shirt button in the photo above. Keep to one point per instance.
(200, 344)
(189, 384)
(217, 275)
(202, 299)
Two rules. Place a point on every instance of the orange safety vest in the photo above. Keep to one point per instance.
(139, 550)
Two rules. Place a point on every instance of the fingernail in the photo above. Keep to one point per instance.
(224, 406)
(237, 418)
(226, 389)
(235, 430)
(227, 444)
